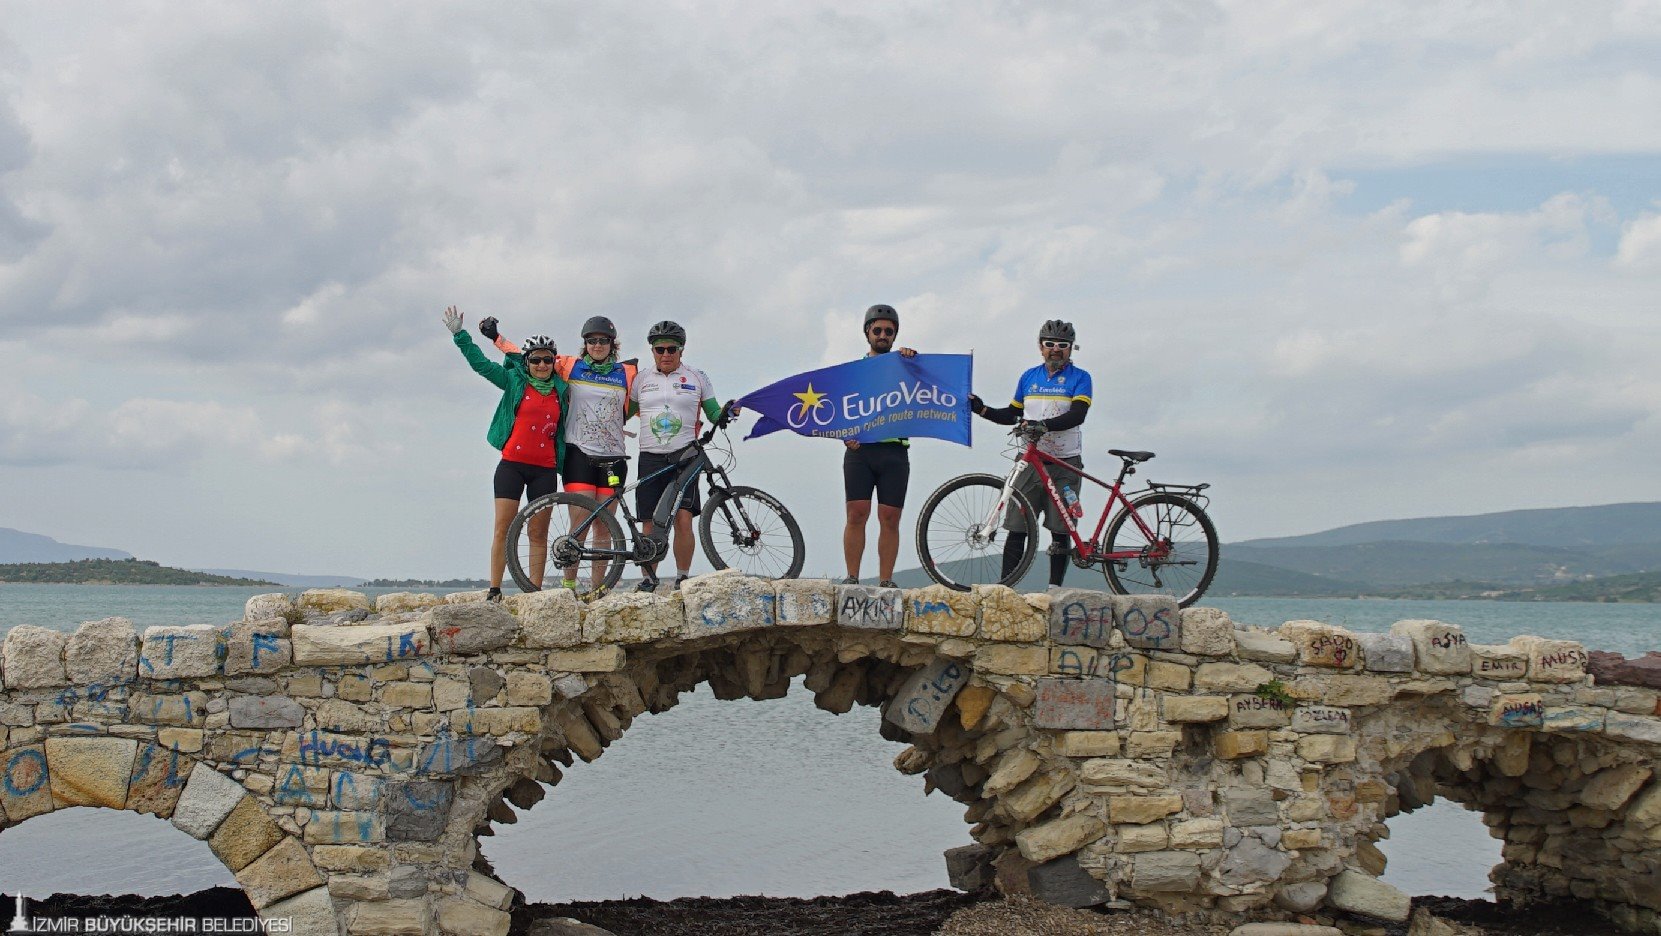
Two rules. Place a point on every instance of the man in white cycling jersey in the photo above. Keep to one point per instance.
(1055, 395)
(672, 397)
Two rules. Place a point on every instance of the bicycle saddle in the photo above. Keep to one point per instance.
(1131, 456)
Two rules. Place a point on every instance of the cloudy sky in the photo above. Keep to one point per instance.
(1346, 261)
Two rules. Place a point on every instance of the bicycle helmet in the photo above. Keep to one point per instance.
(600, 325)
(878, 313)
(666, 329)
(537, 343)
(1057, 330)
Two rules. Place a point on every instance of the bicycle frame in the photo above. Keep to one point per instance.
(1086, 552)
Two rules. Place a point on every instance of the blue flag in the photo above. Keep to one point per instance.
(872, 399)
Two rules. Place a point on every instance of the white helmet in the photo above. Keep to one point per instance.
(537, 343)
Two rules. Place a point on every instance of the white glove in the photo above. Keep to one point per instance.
(452, 320)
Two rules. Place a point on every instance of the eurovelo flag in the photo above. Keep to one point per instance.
(873, 399)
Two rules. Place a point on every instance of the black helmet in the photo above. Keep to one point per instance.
(666, 329)
(601, 325)
(879, 312)
(1057, 330)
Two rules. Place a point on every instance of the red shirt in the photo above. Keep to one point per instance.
(532, 441)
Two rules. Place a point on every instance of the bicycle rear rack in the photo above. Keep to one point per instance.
(1194, 492)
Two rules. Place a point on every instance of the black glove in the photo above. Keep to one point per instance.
(487, 328)
(976, 404)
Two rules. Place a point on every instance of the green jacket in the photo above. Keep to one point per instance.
(513, 380)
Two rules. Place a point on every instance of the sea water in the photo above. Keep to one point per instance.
(721, 798)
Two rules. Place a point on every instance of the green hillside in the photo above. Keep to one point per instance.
(112, 572)
(1396, 564)
(1563, 527)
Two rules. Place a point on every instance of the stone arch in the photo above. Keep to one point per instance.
(262, 851)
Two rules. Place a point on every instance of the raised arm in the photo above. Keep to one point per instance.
(483, 366)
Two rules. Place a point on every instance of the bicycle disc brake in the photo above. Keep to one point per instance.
(565, 550)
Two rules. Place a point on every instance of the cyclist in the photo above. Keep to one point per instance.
(528, 428)
(596, 462)
(671, 397)
(1054, 396)
(883, 467)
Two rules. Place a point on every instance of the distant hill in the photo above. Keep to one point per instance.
(18, 546)
(289, 579)
(1562, 527)
(112, 572)
(1395, 564)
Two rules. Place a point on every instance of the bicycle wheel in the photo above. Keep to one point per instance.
(531, 563)
(956, 548)
(1179, 524)
(749, 530)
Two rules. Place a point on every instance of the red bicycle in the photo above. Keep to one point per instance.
(1159, 542)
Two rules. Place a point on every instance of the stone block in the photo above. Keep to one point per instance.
(25, 783)
(470, 918)
(345, 827)
(1385, 653)
(1152, 743)
(727, 602)
(488, 891)
(208, 797)
(329, 600)
(1354, 892)
(1518, 711)
(1197, 833)
(1439, 649)
(1120, 775)
(1502, 662)
(1174, 677)
(1007, 615)
(973, 703)
(1207, 632)
(1319, 644)
(633, 617)
(283, 871)
(1178, 708)
(90, 771)
(245, 834)
(1608, 789)
(550, 619)
(868, 607)
(1233, 745)
(103, 652)
(1064, 883)
(1563, 718)
(604, 659)
(1085, 743)
(1133, 809)
(356, 644)
(1073, 703)
(1029, 800)
(1301, 839)
(969, 867)
(1151, 622)
(924, 697)
(1633, 727)
(260, 607)
(529, 689)
(1352, 690)
(188, 709)
(410, 695)
(1081, 617)
(465, 629)
(397, 917)
(307, 913)
(266, 712)
(298, 785)
(1553, 661)
(1321, 719)
(1007, 660)
(33, 657)
(1253, 711)
(1165, 872)
(1250, 806)
(804, 602)
(463, 756)
(943, 611)
(356, 791)
(1059, 837)
(257, 647)
(401, 602)
(1118, 665)
(1263, 647)
(1326, 749)
(1230, 677)
(186, 740)
(159, 776)
(1252, 861)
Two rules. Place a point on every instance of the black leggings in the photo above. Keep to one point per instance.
(1060, 550)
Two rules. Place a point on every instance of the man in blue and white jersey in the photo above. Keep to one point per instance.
(1055, 394)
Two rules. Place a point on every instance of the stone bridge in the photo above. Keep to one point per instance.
(342, 755)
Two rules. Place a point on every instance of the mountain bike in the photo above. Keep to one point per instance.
(1160, 542)
(741, 527)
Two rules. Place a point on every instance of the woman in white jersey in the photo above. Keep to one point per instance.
(671, 399)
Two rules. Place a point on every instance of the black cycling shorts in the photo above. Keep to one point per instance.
(884, 467)
(583, 468)
(651, 489)
(516, 478)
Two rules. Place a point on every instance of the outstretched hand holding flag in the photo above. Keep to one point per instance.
(871, 400)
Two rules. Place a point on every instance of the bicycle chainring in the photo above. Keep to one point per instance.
(565, 551)
(650, 548)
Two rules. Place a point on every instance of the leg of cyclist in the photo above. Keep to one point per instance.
(1061, 543)
(684, 540)
(1014, 545)
(893, 477)
(859, 482)
(541, 485)
(853, 536)
(505, 509)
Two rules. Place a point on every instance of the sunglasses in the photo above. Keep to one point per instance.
(533, 361)
(1053, 345)
(666, 349)
(597, 339)
(884, 332)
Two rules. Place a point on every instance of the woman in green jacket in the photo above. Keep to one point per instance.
(529, 430)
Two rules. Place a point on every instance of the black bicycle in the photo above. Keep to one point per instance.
(741, 527)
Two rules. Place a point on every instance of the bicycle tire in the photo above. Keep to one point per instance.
(519, 553)
(747, 504)
(1124, 578)
(956, 530)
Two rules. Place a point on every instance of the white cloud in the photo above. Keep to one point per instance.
(1640, 246)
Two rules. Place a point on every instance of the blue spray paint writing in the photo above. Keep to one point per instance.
(1085, 623)
(25, 773)
(1091, 663)
(266, 642)
(1151, 629)
(314, 747)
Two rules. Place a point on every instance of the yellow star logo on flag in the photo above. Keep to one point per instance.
(810, 400)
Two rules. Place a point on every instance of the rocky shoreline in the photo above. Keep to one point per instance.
(882, 913)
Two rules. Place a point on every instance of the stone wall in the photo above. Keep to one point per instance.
(342, 755)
